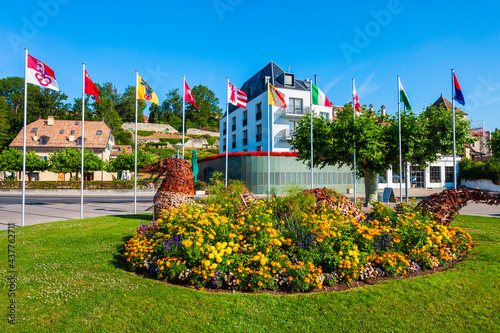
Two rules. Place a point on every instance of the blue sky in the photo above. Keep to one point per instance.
(371, 41)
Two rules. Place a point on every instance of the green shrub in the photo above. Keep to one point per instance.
(474, 170)
(145, 133)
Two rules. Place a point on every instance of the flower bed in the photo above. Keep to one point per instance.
(270, 246)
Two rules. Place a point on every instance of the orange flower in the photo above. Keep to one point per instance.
(290, 278)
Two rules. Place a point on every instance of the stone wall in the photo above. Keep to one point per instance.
(150, 127)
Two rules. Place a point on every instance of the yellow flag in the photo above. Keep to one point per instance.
(145, 92)
(276, 98)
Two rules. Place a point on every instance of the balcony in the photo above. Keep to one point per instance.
(258, 116)
(292, 113)
(283, 135)
(258, 137)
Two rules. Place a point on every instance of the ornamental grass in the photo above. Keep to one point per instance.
(286, 244)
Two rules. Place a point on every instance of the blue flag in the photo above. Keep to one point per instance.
(457, 94)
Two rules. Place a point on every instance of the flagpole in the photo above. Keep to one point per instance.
(269, 144)
(183, 114)
(24, 135)
(312, 154)
(83, 141)
(135, 157)
(354, 154)
(400, 152)
(227, 127)
(454, 143)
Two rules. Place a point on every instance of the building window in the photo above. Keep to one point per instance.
(325, 115)
(233, 124)
(395, 178)
(233, 144)
(295, 105)
(77, 123)
(245, 137)
(259, 148)
(245, 120)
(245, 150)
(224, 128)
(72, 132)
(61, 131)
(99, 132)
(224, 145)
(448, 174)
(111, 138)
(33, 176)
(382, 178)
(34, 129)
(44, 140)
(79, 141)
(289, 79)
(435, 173)
(259, 133)
(89, 176)
(258, 114)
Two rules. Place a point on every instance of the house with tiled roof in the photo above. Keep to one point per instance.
(45, 136)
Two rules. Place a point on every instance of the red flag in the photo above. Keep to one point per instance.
(90, 88)
(357, 106)
(40, 74)
(188, 95)
(236, 96)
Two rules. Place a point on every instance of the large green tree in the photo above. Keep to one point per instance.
(105, 110)
(374, 138)
(6, 135)
(170, 111)
(494, 144)
(69, 160)
(125, 106)
(127, 161)
(11, 160)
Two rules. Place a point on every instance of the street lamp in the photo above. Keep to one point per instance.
(177, 146)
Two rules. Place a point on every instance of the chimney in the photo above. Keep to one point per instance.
(371, 108)
(50, 120)
(383, 109)
(35, 138)
(71, 138)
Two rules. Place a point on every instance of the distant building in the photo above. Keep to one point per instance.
(246, 130)
(45, 136)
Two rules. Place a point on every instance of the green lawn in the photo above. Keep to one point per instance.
(70, 279)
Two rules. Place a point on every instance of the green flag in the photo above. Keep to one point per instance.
(403, 97)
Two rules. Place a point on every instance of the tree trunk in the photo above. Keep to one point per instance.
(371, 188)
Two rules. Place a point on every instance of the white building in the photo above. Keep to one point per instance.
(247, 129)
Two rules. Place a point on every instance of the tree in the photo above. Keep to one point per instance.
(69, 160)
(5, 135)
(494, 144)
(375, 140)
(126, 161)
(170, 111)
(125, 106)
(208, 112)
(105, 110)
(11, 160)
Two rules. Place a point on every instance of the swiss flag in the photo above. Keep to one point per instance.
(90, 88)
(188, 95)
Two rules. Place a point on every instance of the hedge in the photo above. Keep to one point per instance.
(75, 185)
(472, 170)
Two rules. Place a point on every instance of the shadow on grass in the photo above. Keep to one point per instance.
(143, 216)
(119, 260)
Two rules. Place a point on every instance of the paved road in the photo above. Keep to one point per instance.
(44, 199)
(45, 207)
